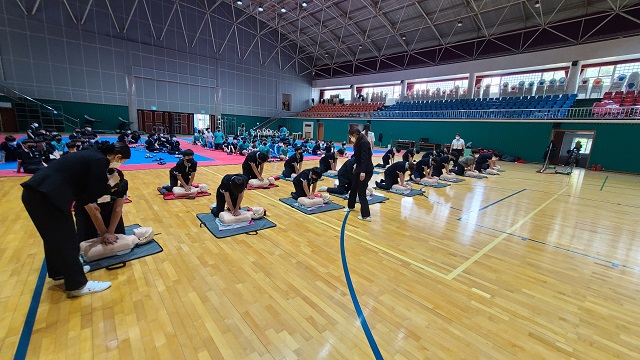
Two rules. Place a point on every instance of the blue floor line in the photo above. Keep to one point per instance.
(354, 297)
(524, 238)
(441, 203)
(30, 320)
(494, 203)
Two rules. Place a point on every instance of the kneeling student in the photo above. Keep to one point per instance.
(305, 183)
(293, 165)
(345, 175)
(329, 161)
(230, 194)
(184, 172)
(395, 174)
(410, 154)
(465, 163)
(388, 157)
(253, 165)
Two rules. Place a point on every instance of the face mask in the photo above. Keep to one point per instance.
(457, 137)
(35, 125)
(88, 129)
(189, 161)
(78, 132)
(13, 143)
(115, 164)
(58, 141)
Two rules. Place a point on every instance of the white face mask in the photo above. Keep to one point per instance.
(457, 137)
(35, 125)
(115, 164)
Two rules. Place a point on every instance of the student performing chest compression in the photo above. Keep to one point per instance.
(394, 176)
(389, 157)
(329, 162)
(293, 165)
(305, 187)
(182, 176)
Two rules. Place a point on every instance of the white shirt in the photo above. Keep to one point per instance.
(457, 144)
(371, 137)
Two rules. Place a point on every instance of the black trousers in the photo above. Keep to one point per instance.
(340, 189)
(456, 151)
(221, 203)
(386, 160)
(299, 190)
(359, 190)
(32, 169)
(247, 171)
(58, 233)
(288, 172)
(389, 181)
(458, 169)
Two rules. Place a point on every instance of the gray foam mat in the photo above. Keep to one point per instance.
(477, 176)
(435, 186)
(454, 181)
(409, 194)
(330, 206)
(120, 261)
(209, 221)
(373, 199)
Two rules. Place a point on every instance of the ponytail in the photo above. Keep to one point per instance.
(117, 148)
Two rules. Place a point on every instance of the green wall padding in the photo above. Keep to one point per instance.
(250, 121)
(108, 114)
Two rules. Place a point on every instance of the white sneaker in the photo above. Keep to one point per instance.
(86, 268)
(368, 218)
(322, 189)
(90, 287)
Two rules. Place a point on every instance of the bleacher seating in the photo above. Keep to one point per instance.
(341, 110)
(504, 107)
(618, 105)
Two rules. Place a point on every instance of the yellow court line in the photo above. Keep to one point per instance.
(495, 242)
(412, 262)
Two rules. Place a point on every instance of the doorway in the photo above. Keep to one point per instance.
(202, 121)
(307, 130)
(320, 131)
(565, 140)
(8, 121)
(286, 101)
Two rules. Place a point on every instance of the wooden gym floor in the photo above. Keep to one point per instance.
(521, 265)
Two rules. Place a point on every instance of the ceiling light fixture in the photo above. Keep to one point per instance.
(239, 2)
(260, 9)
(359, 46)
(304, 4)
(283, 10)
(459, 22)
(537, 3)
(404, 37)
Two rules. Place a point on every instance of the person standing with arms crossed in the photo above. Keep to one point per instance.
(362, 173)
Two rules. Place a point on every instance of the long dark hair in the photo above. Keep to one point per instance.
(360, 137)
(116, 148)
(367, 130)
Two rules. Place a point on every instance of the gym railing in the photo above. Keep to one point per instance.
(626, 112)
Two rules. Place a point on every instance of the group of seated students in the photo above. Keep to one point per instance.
(42, 147)
(433, 165)
(158, 142)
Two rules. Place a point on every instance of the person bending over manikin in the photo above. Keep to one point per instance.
(293, 165)
(95, 249)
(422, 173)
(229, 194)
(345, 175)
(283, 154)
(182, 175)
(465, 164)
(329, 162)
(440, 166)
(395, 175)
(410, 154)
(486, 162)
(253, 165)
(389, 157)
(305, 184)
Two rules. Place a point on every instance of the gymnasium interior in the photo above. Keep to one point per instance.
(538, 261)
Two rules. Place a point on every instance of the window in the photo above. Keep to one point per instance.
(393, 92)
(604, 72)
(443, 85)
(202, 121)
(586, 144)
(342, 94)
(515, 79)
(553, 75)
(627, 68)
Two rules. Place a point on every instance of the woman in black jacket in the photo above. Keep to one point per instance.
(362, 173)
(80, 177)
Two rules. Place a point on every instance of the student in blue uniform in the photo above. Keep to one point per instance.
(395, 174)
(388, 157)
(305, 183)
(293, 165)
(253, 165)
(218, 139)
(230, 194)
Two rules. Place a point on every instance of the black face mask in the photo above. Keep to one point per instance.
(189, 161)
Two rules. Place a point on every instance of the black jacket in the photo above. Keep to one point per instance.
(363, 156)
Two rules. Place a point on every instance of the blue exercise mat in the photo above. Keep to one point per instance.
(120, 261)
(208, 220)
(330, 206)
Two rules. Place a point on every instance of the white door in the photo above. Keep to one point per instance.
(307, 130)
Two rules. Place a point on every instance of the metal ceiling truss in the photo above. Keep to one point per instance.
(546, 32)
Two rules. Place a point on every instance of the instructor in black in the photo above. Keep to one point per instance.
(362, 173)
(48, 196)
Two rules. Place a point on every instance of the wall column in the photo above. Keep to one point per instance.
(471, 86)
(132, 102)
(403, 90)
(353, 94)
(574, 77)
